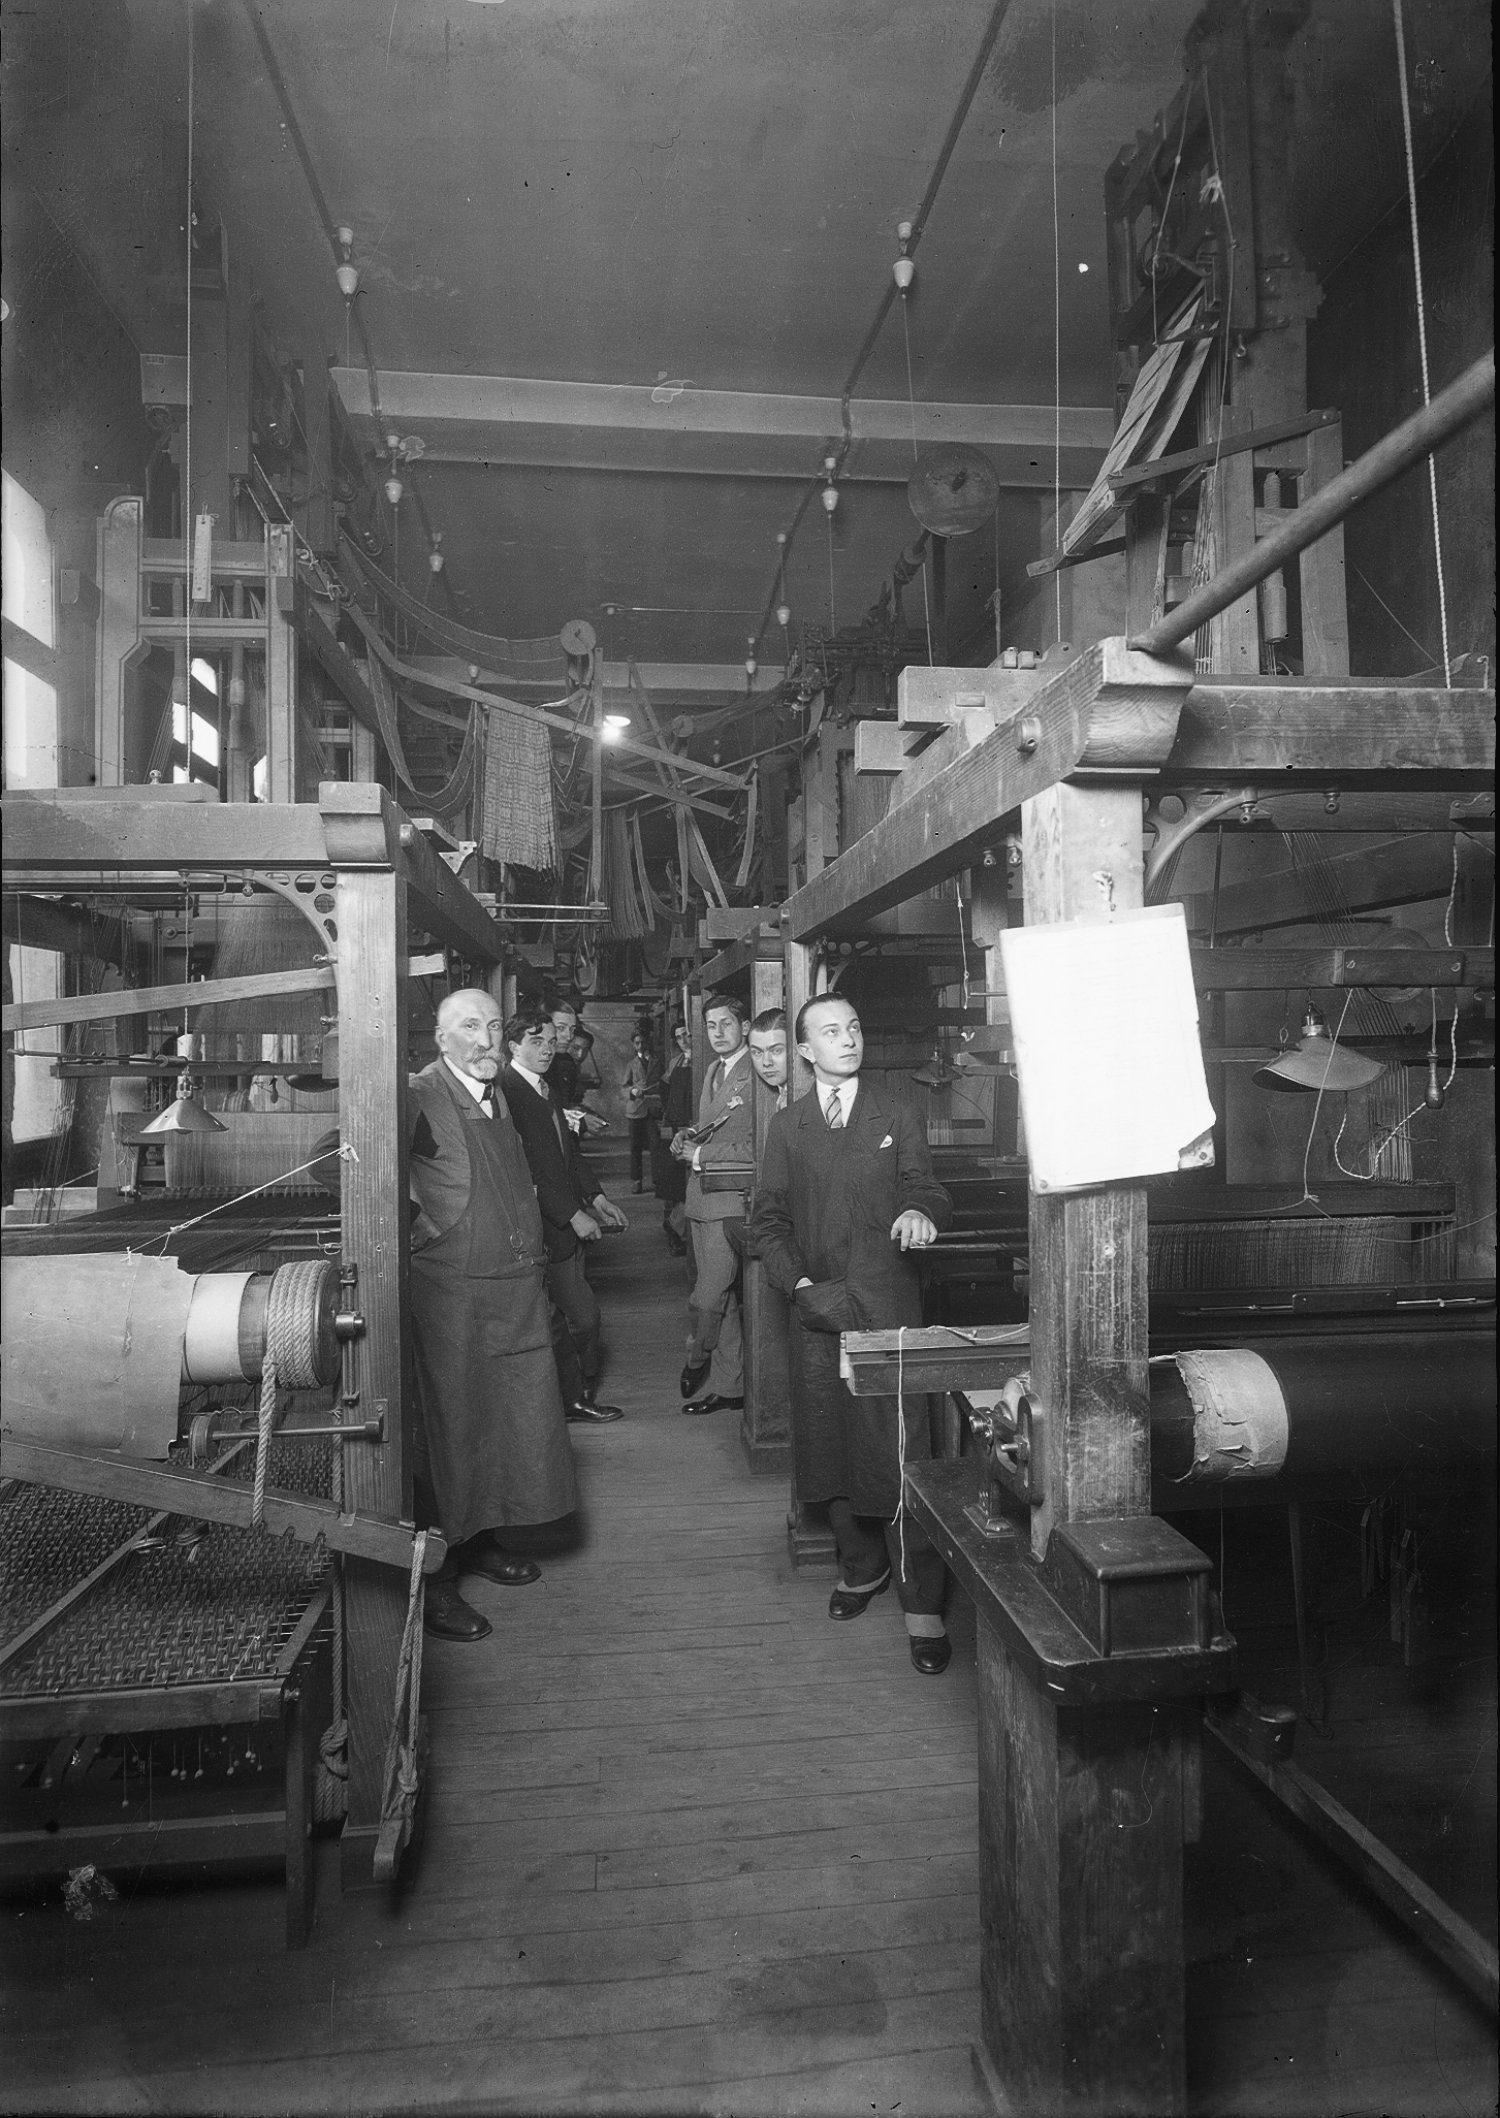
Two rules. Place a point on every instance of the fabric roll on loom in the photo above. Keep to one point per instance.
(97, 1345)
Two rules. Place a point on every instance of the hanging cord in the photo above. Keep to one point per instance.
(1416, 262)
(832, 621)
(899, 1518)
(333, 1744)
(1368, 1176)
(911, 406)
(1056, 345)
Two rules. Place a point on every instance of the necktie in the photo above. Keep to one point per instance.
(487, 1099)
(833, 1111)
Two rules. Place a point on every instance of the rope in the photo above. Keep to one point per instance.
(1416, 261)
(333, 1745)
(293, 1313)
(263, 1442)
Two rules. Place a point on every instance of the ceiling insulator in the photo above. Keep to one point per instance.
(435, 556)
(346, 273)
(903, 271)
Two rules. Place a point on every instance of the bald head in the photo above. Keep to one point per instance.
(468, 1033)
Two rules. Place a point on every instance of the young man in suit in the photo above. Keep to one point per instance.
(723, 1137)
(575, 1212)
(845, 1192)
(491, 1448)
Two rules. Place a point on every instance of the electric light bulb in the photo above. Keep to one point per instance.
(830, 497)
(393, 491)
(903, 272)
(348, 280)
(783, 614)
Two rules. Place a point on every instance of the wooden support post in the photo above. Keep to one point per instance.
(119, 637)
(1082, 1819)
(1081, 1806)
(765, 1425)
(809, 1539)
(281, 666)
(322, 530)
(372, 1057)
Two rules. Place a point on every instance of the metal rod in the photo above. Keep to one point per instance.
(1450, 410)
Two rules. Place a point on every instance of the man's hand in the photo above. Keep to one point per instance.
(682, 1147)
(606, 1212)
(585, 1227)
(913, 1230)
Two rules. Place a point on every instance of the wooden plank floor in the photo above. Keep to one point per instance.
(688, 1847)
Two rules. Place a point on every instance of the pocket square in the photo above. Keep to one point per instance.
(886, 1142)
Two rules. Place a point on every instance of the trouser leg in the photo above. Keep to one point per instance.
(713, 1312)
(859, 1544)
(921, 1577)
(576, 1348)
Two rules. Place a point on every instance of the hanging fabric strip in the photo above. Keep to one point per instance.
(542, 660)
(684, 868)
(520, 823)
(657, 907)
(703, 867)
(742, 873)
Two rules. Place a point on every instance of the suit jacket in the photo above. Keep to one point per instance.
(734, 1142)
(562, 1181)
(825, 1202)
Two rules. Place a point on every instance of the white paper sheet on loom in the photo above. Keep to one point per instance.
(1105, 1023)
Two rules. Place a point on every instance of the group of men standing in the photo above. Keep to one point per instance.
(505, 1206)
(843, 1195)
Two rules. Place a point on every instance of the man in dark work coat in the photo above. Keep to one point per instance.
(845, 1191)
(492, 1447)
(575, 1210)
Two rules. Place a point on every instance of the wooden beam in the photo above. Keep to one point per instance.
(1107, 711)
(1126, 482)
(1406, 871)
(1334, 735)
(1471, 1958)
(151, 999)
(200, 1493)
(126, 833)
(1259, 970)
(884, 746)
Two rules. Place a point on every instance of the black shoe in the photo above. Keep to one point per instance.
(585, 1408)
(931, 1656)
(715, 1403)
(499, 1566)
(695, 1375)
(445, 1613)
(849, 1602)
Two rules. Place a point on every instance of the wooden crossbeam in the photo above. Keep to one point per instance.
(151, 999)
(1404, 871)
(1259, 970)
(1107, 712)
(1326, 735)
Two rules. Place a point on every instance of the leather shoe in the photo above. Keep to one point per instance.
(715, 1403)
(585, 1408)
(502, 1567)
(931, 1656)
(695, 1375)
(445, 1613)
(849, 1602)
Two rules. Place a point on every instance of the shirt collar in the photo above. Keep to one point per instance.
(476, 1088)
(536, 1080)
(735, 1057)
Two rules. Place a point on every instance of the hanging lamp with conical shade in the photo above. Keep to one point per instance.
(184, 1114)
(1317, 1064)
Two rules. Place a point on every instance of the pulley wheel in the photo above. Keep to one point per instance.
(953, 489)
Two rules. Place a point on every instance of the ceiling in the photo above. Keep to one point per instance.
(619, 258)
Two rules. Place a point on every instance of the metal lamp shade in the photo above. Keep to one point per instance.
(1316, 1064)
(184, 1114)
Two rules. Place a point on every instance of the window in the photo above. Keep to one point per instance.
(31, 761)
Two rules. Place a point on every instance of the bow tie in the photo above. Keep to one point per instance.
(487, 1095)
